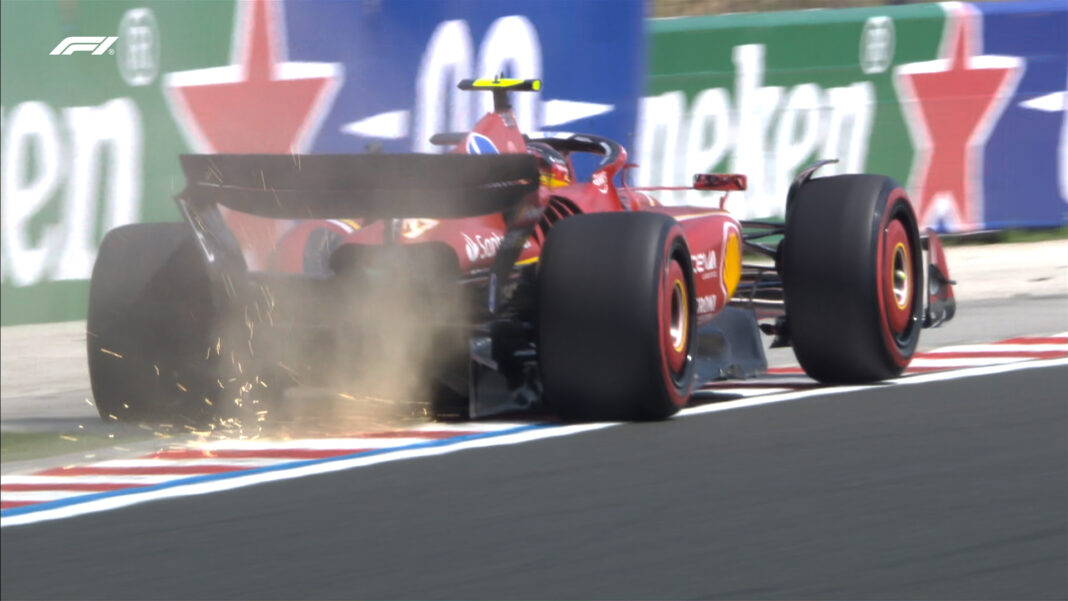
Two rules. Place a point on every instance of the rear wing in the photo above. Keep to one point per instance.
(500, 87)
(360, 186)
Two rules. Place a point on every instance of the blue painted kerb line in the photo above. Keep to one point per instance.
(77, 500)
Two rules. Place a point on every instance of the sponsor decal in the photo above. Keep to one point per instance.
(704, 263)
(224, 109)
(600, 180)
(510, 43)
(765, 132)
(414, 228)
(95, 45)
(877, 45)
(480, 144)
(707, 304)
(139, 48)
(85, 160)
(480, 248)
(951, 105)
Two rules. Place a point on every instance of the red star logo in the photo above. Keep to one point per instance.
(951, 105)
(261, 103)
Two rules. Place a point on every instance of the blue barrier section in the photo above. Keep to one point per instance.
(402, 61)
(1025, 175)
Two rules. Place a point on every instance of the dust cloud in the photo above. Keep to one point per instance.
(367, 346)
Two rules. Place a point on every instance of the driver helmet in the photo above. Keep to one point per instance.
(553, 166)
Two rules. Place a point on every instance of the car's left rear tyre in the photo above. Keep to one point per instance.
(616, 317)
(151, 327)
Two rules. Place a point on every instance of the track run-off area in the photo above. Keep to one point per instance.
(941, 485)
(948, 483)
(206, 465)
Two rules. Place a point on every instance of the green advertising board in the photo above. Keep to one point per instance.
(768, 94)
(962, 103)
(88, 140)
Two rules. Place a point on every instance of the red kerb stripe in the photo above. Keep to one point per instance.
(420, 434)
(161, 469)
(83, 486)
(253, 453)
(1045, 340)
(13, 504)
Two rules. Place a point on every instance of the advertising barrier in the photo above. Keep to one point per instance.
(964, 104)
(99, 98)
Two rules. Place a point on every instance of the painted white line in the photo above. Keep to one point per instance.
(744, 392)
(906, 381)
(471, 427)
(764, 400)
(61, 480)
(288, 470)
(249, 462)
(998, 348)
(199, 486)
(977, 371)
(322, 444)
(952, 362)
(39, 496)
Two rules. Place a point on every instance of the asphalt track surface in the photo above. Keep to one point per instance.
(954, 489)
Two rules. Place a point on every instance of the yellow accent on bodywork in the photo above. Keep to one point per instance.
(553, 182)
(732, 263)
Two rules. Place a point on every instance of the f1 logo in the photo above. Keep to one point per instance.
(91, 43)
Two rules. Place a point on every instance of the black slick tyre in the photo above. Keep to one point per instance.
(851, 268)
(150, 324)
(616, 317)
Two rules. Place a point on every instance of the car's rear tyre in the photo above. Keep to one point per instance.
(151, 325)
(851, 268)
(617, 316)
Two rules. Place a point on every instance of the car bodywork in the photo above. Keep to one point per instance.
(295, 243)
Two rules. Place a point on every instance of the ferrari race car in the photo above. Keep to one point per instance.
(489, 279)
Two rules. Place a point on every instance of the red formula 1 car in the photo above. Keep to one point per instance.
(490, 280)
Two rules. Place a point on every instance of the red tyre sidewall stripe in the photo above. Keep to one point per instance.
(676, 358)
(898, 316)
(678, 397)
(880, 277)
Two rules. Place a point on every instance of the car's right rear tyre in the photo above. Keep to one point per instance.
(617, 316)
(852, 276)
(151, 327)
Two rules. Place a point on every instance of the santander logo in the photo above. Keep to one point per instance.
(481, 247)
